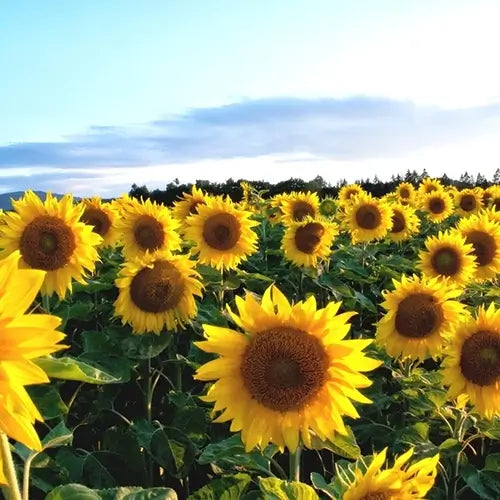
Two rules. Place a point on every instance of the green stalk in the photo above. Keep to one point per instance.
(46, 303)
(9, 469)
(294, 461)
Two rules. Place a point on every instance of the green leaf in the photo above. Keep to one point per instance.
(48, 401)
(485, 483)
(344, 446)
(68, 368)
(137, 493)
(493, 462)
(224, 488)
(278, 489)
(60, 435)
(92, 286)
(72, 492)
(318, 481)
(230, 454)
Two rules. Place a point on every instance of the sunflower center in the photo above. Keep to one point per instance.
(157, 289)
(430, 188)
(496, 204)
(308, 237)
(148, 233)
(47, 243)
(404, 193)
(446, 261)
(484, 246)
(221, 231)
(368, 217)
(284, 368)
(467, 202)
(376, 495)
(351, 193)
(398, 222)
(98, 219)
(418, 316)
(301, 210)
(193, 207)
(436, 205)
(480, 358)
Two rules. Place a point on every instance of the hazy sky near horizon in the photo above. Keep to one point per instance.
(95, 96)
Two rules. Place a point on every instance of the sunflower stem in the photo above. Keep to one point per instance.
(149, 413)
(294, 461)
(46, 303)
(12, 488)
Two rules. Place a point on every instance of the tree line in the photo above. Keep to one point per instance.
(173, 190)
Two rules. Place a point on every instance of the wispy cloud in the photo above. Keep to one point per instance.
(284, 129)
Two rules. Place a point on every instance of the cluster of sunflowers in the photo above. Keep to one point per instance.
(288, 375)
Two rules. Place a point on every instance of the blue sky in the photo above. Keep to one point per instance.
(97, 95)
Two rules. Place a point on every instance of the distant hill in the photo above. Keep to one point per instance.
(5, 198)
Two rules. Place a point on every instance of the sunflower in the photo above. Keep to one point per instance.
(429, 185)
(349, 192)
(288, 374)
(495, 198)
(448, 257)
(437, 204)
(472, 363)
(23, 337)
(420, 316)
(298, 206)
(123, 203)
(327, 207)
(102, 217)
(405, 192)
(486, 196)
(307, 242)
(223, 234)
(146, 227)
(405, 222)
(484, 235)
(274, 211)
(467, 202)
(51, 237)
(187, 205)
(157, 291)
(400, 482)
(368, 218)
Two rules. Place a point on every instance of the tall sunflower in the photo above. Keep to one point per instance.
(327, 207)
(23, 337)
(438, 205)
(449, 257)
(51, 237)
(405, 222)
(157, 291)
(187, 205)
(289, 374)
(421, 315)
(472, 363)
(102, 217)
(146, 227)
(399, 482)
(308, 242)
(222, 233)
(484, 235)
(406, 193)
(495, 198)
(348, 193)
(368, 218)
(468, 202)
(297, 206)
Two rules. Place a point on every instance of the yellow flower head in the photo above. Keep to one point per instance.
(484, 235)
(468, 202)
(437, 204)
(23, 337)
(51, 237)
(406, 193)
(348, 193)
(145, 228)
(368, 218)
(297, 206)
(102, 218)
(222, 233)
(288, 374)
(448, 257)
(429, 185)
(399, 482)
(472, 363)
(421, 315)
(405, 222)
(187, 205)
(308, 242)
(157, 291)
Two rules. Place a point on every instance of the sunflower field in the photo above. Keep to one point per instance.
(275, 348)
